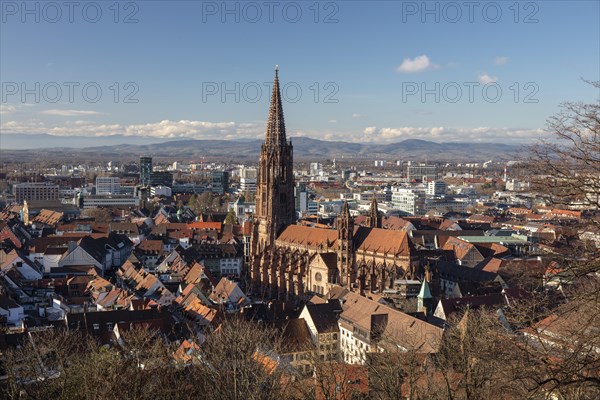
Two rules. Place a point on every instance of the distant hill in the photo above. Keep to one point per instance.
(304, 148)
(43, 140)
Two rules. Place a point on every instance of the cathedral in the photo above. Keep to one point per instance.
(291, 261)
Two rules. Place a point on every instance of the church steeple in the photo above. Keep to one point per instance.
(424, 298)
(275, 205)
(275, 135)
(344, 221)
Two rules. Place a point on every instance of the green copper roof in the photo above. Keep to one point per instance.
(424, 293)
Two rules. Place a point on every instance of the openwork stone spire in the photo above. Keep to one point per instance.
(275, 205)
(373, 219)
(275, 135)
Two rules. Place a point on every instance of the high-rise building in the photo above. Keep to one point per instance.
(316, 168)
(220, 182)
(301, 198)
(145, 170)
(248, 179)
(108, 185)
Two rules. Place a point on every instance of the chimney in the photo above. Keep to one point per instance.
(72, 246)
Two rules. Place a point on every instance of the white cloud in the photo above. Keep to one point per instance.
(183, 128)
(370, 130)
(333, 121)
(449, 134)
(417, 64)
(162, 129)
(501, 60)
(356, 115)
(69, 113)
(485, 78)
(187, 129)
(6, 109)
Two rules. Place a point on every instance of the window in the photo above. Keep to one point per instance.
(96, 327)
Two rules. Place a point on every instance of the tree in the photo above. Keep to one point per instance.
(566, 165)
(192, 201)
(230, 218)
(98, 214)
(204, 201)
(239, 363)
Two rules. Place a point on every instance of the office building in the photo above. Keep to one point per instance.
(106, 185)
(161, 178)
(220, 182)
(248, 180)
(145, 170)
(35, 191)
(421, 172)
(436, 188)
(411, 201)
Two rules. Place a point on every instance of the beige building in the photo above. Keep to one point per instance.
(367, 326)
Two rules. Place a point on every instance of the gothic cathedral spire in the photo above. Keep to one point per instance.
(275, 205)
(373, 219)
(275, 135)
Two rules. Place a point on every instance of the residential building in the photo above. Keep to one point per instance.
(228, 293)
(367, 326)
(11, 310)
(322, 322)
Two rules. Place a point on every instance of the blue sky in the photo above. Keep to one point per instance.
(362, 68)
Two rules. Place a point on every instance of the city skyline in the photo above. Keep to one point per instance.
(412, 73)
(307, 199)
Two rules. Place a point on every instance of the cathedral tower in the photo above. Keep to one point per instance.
(275, 206)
